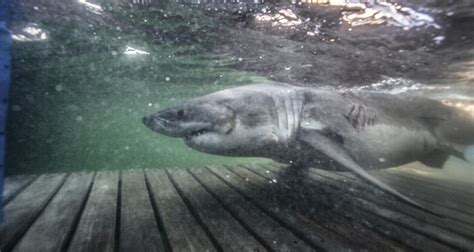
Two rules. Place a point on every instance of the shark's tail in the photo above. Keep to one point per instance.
(452, 121)
(469, 154)
(456, 129)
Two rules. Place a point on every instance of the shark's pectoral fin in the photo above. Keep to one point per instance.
(336, 152)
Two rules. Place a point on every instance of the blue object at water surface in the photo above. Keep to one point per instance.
(8, 9)
(5, 45)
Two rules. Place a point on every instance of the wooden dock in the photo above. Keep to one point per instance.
(243, 208)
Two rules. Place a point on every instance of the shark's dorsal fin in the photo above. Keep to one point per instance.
(337, 153)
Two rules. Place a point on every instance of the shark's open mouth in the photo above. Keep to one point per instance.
(196, 133)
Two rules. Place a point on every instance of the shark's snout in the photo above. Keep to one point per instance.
(147, 121)
(154, 123)
(158, 124)
(151, 122)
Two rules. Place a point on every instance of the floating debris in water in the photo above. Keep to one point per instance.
(94, 8)
(438, 39)
(30, 33)
(132, 51)
(59, 88)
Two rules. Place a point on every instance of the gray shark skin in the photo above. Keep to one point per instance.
(328, 129)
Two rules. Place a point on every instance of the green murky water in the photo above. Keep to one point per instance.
(77, 101)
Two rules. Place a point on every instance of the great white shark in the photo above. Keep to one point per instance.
(344, 131)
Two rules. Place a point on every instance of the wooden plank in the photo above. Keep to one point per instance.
(439, 186)
(358, 211)
(381, 208)
(182, 230)
(138, 227)
(435, 179)
(14, 185)
(269, 231)
(440, 200)
(367, 192)
(447, 205)
(53, 228)
(267, 200)
(427, 185)
(342, 220)
(22, 211)
(229, 234)
(455, 176)
(96, 228)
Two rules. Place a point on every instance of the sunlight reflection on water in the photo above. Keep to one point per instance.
(361, 12)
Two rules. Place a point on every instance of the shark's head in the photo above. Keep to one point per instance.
(191, 120)
(234, 122)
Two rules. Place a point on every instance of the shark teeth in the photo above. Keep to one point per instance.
(196, 133)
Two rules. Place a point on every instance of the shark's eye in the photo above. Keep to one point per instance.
(180, 113)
